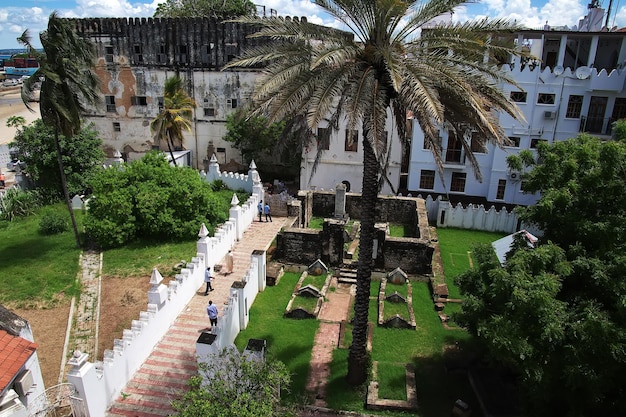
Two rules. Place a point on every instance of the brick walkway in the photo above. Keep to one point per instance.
(334, 311)
(162, 378)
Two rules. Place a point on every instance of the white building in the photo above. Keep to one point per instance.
(21, 383)
(577, 87)
(342, 160)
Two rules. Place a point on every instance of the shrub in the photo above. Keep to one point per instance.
(52, 223)
(150, 199)
(17, 203)
(218, 185)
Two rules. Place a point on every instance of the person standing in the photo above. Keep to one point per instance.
(207, 279)
(260, 207)
(267, 212)
(229, 263)
(211, 310)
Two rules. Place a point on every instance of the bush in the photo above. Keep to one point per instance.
(218, 185)
(17, 203)
(52, 223)
(150, 199)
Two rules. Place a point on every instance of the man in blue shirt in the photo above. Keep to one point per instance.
(211, 310)
(260, 207)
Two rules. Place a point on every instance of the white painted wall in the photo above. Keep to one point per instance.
(536, 126)
(337, 165)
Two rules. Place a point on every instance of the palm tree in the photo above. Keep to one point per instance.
(68, 86)
(175, 117)
(444, 77)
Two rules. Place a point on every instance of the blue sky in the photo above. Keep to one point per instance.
(33, 14)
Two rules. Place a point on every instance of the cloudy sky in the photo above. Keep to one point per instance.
(33, 14)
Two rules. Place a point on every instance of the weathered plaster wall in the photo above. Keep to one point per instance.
(136, 56)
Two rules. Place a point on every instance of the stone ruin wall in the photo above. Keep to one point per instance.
(304, 246)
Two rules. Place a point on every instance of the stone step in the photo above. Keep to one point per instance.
(346, 280)
(139, 408)
(163, 390)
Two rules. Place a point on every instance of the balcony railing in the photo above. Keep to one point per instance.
(597, 125)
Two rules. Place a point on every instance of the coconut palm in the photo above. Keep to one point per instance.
(444, 77)
(68, 86)
(175, 117)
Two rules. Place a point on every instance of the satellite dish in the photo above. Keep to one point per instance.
(558, 70)
(582, 73)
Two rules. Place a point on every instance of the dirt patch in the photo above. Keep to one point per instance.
(49, 327)
(121, 301)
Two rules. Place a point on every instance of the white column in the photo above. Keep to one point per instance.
(259, 255)
(84, 377)
(236, 217)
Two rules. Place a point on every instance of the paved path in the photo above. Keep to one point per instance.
(333, 312)
(164, 375)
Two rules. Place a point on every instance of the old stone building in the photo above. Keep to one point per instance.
(134, 58)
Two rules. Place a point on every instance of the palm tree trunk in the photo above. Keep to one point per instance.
(358, 359)
(169, 147)
(64, 185)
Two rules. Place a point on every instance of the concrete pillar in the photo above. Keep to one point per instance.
(89, 388)
(236, 217)
(203, 243)
(214, 170)
(562, 48)
(593, 50)
(340, 201)
(206, 347)
(261, 259)
(157, 294)
(443, 213)
(257, 185)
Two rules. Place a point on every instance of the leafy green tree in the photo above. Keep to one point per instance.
(252, 135)
(69, 86)
(82, 157)
(150, 199)
(322, 73)
(556, 314)
(232, 384)
(175, 117)
(219, 9)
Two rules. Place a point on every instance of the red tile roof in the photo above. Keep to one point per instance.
(14, 352)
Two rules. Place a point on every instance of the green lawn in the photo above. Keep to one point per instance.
(456, 252)
(436, 389)
(36, 269)
(138, 258)
(288, 340)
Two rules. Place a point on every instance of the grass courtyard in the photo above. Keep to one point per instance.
(37, 270)
(392, 349)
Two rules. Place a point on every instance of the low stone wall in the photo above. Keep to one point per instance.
(296, 245)
(414, 256)
(401, 210)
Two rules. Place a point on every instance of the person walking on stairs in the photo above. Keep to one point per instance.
(267, 212)
(229, 263)
(260, 207)
(211, 310)
(207, 279)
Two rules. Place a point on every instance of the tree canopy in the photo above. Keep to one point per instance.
(150, 198)
(219, 9)
(82, 158)
(231, 384)
(69, 86)
(175, 117)
(381, 68)
(252, 135)
(556, 314)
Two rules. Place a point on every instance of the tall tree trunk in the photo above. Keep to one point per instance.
(64, 185)
(169, 147)
(358, 359)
